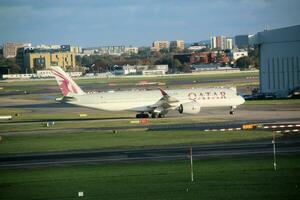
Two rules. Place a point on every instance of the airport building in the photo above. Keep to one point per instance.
(279, 59)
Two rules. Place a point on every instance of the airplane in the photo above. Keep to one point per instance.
(155, 103)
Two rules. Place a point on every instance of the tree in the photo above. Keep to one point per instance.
(219, 57)
(243, 62)
(254, 57)
(176, 64)
(223, 64)
(164, 51)
(9, 65)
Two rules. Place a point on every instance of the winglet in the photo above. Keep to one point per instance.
(163, 92)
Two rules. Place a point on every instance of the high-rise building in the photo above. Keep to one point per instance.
(177, 44)
(158, 45)
(221, 42)
(241, 41)
(10, 49)
(229, 43)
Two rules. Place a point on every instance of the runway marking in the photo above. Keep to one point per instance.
(282, 126)
(288, 131)
(224, 129)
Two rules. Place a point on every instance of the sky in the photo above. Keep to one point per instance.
(91, 23)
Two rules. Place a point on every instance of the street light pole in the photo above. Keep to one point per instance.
(274, 152)
(192, 169)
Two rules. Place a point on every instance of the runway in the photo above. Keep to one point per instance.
(284, 145)
(150, 127)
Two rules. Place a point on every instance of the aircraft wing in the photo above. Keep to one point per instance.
(166, 102)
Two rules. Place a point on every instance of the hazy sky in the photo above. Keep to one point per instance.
(138, 22)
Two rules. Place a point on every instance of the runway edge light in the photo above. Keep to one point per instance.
(80, 194)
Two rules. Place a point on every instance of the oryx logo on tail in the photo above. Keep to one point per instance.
(67, 86)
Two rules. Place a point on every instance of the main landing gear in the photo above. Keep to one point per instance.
(142, 115)
(153, 115)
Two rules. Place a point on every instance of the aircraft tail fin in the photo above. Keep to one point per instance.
(67, 86)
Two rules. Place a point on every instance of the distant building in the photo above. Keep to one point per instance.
(41, 60)
(177, 44)
(238, 54)
(200, 58)
(203, 57)
(153, 72)
(131, 50)
(88, 51)
(241, 41)
(183, 57)
(20, 58)
(229, 43)
(221, 42)
(279, 59)
(51, 46)
(162, 67)
(197, 47)
(111, 50)
(141, 70)
(158, 45)
(10, 49)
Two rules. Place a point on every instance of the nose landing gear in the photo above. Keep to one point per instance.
(231, 112)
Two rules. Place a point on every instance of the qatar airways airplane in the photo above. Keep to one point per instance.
(156, 103)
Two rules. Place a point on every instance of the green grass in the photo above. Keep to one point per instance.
(273, 102)
(122, 139)
(234, 178)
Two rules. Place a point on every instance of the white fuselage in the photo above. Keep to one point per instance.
(141, 100)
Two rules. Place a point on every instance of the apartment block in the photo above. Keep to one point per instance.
(177, 44)
(221, 42)
(158, 45)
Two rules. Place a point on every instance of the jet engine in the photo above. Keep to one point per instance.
(189, 108)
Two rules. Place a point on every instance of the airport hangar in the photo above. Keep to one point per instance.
(279, 59)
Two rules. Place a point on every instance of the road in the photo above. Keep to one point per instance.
(284, 145)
